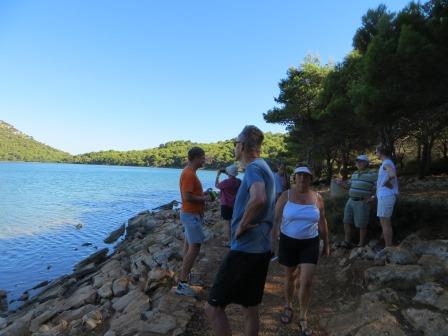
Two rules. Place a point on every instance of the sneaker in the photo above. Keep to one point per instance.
(185, 289)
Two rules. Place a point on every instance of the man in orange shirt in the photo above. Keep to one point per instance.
(191, 215)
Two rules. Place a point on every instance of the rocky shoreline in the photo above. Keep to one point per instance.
(128, 292)
(405, 290)
(396, 291)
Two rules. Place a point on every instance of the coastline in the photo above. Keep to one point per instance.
(135, 278)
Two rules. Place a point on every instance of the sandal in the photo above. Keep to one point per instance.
(286, 315)
(304, 330)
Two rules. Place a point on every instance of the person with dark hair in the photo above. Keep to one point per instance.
(281, 179)
(191, 215)
(299, 220)
(229, 188)
(386, 192)
(242, 274)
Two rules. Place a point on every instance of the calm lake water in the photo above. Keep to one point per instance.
(42, 204)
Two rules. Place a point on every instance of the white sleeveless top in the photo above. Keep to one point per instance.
(383, 177)
(300, 221)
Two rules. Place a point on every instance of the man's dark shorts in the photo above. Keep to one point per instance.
(240, 279)
(226, 212)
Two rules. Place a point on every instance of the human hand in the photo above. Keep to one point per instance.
(242, 229)
(326, 250)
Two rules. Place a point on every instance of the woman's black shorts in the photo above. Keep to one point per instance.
(240, 279)
(292, 252)
(226, 212)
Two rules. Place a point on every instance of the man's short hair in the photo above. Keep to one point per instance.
(252, 137)
(195, 152)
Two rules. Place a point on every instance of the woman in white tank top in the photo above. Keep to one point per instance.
(299, 219)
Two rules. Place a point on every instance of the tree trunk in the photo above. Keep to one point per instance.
(329, 164)
(344, 173)
(445, 149)
(426, 156)
(419, 149)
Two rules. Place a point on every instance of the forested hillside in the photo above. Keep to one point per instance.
(174, 153)
(16, 146)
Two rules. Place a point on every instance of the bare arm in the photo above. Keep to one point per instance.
(323, 226)
(255, 205)
(392, 175)
(189, 197)
(278, 217)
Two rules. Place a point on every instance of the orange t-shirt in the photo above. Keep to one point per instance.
(189, 182)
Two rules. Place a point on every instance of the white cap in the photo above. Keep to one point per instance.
(305, 170)
(232, 170)
(362, 157)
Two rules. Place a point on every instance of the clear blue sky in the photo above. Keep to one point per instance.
(87, 75)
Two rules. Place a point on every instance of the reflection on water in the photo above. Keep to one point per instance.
(41, 206)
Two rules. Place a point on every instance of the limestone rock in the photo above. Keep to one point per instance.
(430, 323)
(159, 323)
(94, 258)
(92, 319)
(364, 252)
(435, 247)
(20, 327)
(395, 276)
(144, 224)
(356, 322)
(75, 314)
(119, 304)
(81, 297)
(105, 291)
(3, 323)
(396, 255)
(388, 326)
(112, 269)
(432, 294)
(114, 235)
(120, 286)
(140, 263)
(435, 266)
(100, 279)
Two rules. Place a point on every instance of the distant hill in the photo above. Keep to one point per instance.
(17, 146)
(173, 154)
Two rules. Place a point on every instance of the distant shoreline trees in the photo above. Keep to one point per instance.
(173, 154)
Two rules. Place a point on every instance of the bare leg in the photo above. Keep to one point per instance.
(306, 280)
(291, 274)
(348, 232)
(387, 230)
(188, 261)
(218, 319)
(252, 321)
(227, 230)
(185, 246)
(362, 236)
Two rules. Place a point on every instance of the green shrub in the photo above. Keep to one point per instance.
(410, 168)
(439, 166)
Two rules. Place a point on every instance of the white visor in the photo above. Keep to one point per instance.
(305, 170)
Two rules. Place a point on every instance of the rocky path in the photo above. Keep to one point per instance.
(327, 297)
(402, 300)
(399, 291)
